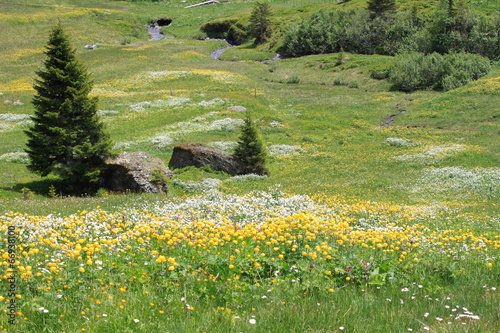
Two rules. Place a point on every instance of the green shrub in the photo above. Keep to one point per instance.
(159, 178)
(462, 68)
(416, 71)
(463, 30)
(387, 33)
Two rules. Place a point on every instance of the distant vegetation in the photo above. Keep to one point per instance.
(413, 71)
(462, 30)
(381, 29)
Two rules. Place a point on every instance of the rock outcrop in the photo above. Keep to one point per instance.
(185, 155)
(137, 172)
(237, 108)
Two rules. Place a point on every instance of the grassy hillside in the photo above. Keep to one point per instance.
(409, 182)
(148, 90)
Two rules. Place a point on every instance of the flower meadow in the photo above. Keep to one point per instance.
(377, 226)
(220, 262)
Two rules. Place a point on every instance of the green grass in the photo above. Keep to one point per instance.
(435, 165)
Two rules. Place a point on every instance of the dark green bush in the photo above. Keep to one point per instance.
(464, 31)
(416, 71)
(356, 31)
(462, 68)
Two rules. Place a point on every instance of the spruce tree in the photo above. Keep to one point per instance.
(250, 152)
(379, 7)
(67, 138)
(260, 21)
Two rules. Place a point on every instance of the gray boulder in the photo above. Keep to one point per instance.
(185, 155)
(137, 172)
(237, 108)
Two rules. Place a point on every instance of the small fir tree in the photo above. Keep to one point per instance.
(260, 22)
(250, 152)
(67, 138)
(379, 7)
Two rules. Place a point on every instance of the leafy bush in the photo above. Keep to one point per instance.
(414, 71)
(357, 31)
(462, 68)
(464, 31)
(352, 31)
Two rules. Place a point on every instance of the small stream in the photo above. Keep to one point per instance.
(154, 30)
(217, 53)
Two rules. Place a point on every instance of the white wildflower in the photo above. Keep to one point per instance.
(205, 185)
(215, 101)
(13, 117)
(275, 124)
(397, 142)
(17, 157)
(162, 141)
(228, 146)
(283, 150)
(247, 177)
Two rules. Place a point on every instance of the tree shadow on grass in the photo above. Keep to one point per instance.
(37, 187)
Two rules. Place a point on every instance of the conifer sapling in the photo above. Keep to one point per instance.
(250, 152)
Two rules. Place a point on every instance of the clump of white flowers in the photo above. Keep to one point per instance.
(16, 157)
(248, 177)
(432, 154)
(398, 142)
(13, 117)
(459, 181)
(283, 150)
(204, 185)
(228, 146)
(162, 141)
(104, 113)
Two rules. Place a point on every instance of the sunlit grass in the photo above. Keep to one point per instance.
(393, 228)
(243, 256)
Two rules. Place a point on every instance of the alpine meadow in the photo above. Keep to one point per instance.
(368, 137)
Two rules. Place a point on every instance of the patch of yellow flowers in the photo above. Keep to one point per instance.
(180, 235)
